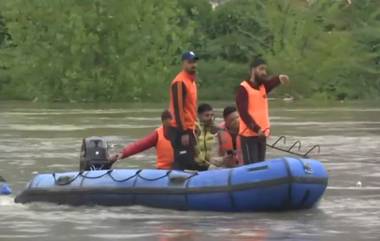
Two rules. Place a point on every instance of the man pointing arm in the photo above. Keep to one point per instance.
(252, 104)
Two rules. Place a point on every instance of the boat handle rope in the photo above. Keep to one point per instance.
(65, 180)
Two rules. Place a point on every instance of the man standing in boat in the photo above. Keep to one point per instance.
(183, 106)
(252, 104)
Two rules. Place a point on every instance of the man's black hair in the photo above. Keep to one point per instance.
(258, 60)
(166, 115)
(204, 107)
(228, 110)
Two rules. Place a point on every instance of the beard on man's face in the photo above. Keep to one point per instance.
(260, 78)
(193, 69)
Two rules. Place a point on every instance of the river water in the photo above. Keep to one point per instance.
(44, 138)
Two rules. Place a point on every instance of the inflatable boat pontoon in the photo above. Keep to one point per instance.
(279, 184)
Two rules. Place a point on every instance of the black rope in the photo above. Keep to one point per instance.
(153, 179)
(65, 181)
(194, 174)
(125, 179)
(100, 176)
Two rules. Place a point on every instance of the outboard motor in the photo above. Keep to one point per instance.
(94, 154)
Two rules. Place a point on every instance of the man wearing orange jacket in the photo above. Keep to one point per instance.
(228, 136)
(158, 139)
(252, 104)
(183, 107)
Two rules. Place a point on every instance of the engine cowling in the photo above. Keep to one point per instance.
(94, 154)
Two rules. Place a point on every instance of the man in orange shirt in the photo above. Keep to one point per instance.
(228, 136)
(252, 104)
(158, 139)
(183, 107)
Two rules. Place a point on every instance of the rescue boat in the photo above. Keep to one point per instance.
(5, 189)
(275, 185)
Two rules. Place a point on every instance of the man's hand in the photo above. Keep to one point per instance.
(284, 79)
(261, 133)
(185, 139)
(230, 161)
(112, 159)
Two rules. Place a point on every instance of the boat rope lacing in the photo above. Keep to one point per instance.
(66, 180)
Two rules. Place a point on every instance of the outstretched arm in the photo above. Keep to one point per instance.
(275, 81)
(141, 145)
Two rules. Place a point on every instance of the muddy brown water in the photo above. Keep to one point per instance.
(46, 138)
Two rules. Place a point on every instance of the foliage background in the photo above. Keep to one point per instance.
(124, 50)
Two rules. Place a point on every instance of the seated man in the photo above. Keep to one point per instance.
(157, 139)
(217, 146)
(228, 137)
(206, 136)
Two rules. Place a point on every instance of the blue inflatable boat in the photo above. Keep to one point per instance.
(5, 189)
(279, 184)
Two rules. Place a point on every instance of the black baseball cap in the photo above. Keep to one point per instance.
(189, 55)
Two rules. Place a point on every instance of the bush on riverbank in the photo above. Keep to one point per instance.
(117, 50)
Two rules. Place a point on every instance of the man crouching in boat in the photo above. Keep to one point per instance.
(213, 143)
(205, 133)
(158, 139)
(228, 138)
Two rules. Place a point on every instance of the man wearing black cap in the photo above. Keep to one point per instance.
(252, 103)
(183, 107)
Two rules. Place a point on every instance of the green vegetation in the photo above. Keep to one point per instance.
(115, 50)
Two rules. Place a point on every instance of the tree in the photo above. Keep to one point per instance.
(93, 49)
(314, 42)
(96, 50)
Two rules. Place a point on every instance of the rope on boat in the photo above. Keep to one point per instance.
(66, 180)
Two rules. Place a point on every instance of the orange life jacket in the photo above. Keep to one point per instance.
(189, 106)
(164, 151)
(227, 144)
(257, 109)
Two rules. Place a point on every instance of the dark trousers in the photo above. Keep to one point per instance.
(183, 155)
(253, 149)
